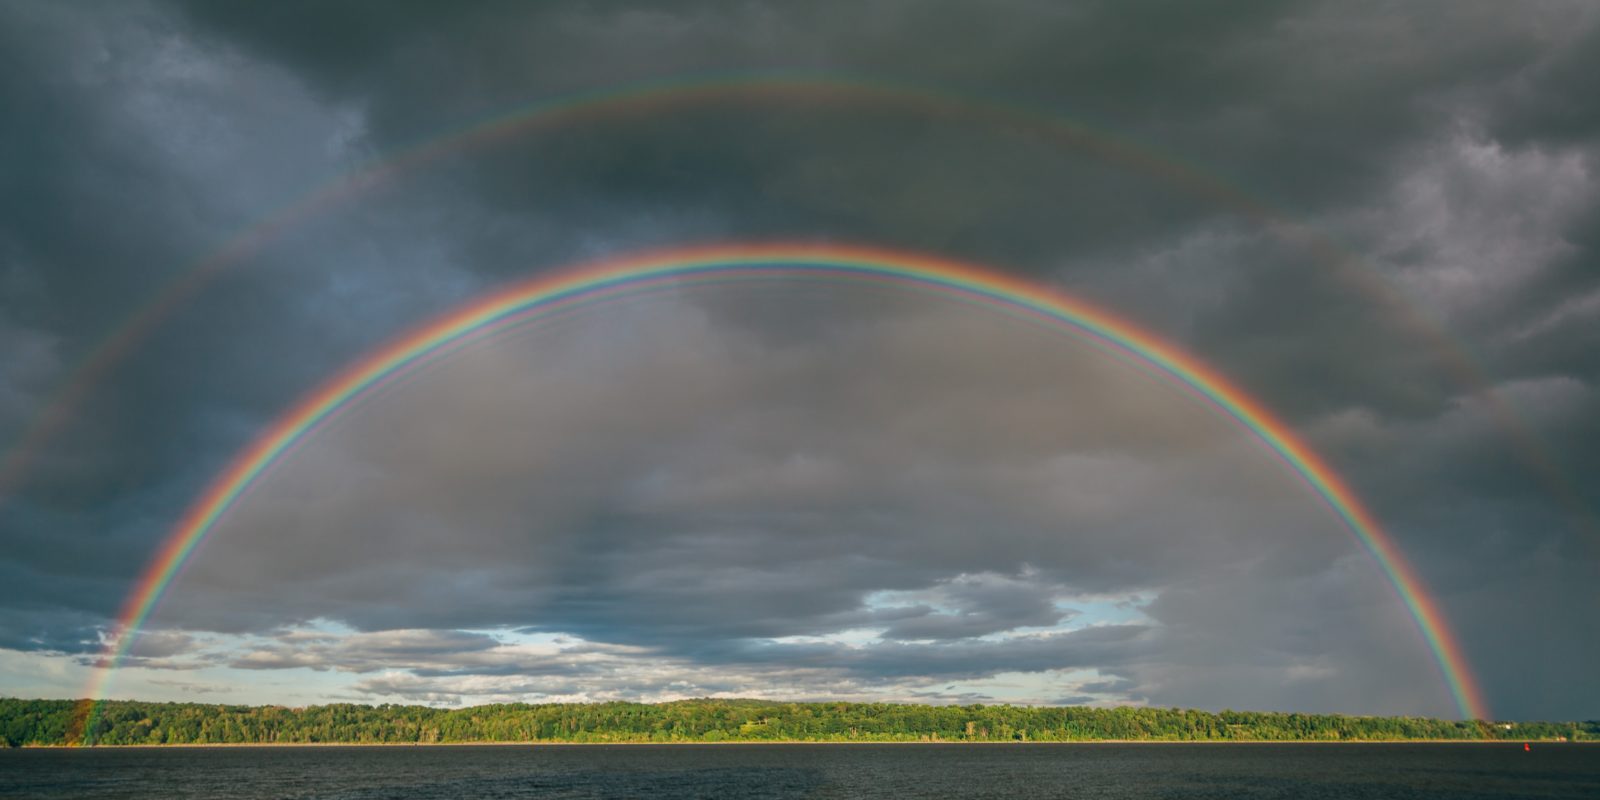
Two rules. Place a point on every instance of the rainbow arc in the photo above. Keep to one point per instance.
(538, 298)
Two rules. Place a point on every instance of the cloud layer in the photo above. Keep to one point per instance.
(1382, 224)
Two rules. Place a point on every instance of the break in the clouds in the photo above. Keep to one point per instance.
(809, 491)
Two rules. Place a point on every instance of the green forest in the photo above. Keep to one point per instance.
(63, 722)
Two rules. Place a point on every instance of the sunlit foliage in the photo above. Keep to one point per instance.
(57, 722)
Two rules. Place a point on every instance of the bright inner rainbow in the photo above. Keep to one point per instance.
(528, 301)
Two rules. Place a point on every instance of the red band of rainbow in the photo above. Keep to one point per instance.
(553, 292)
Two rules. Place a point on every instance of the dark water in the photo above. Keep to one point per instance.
(791, 771)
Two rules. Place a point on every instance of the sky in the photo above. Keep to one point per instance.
(1380, 220)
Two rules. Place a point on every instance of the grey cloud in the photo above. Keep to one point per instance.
(192, 687)
(696, 475)
(1109, 647)
(1111, 686)
(979, 605)
(159, 644)
(676, 475)
(1543, 103)
(140, 662)
(1076, 700)
(758, 669)
(699, 537)
(365, 652)
(50, 630)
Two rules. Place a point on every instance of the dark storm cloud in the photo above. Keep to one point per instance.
(1242, 104)
(143, 150)
(1226, 89)
(1450, 149)
(1545, 103)
(50, 629)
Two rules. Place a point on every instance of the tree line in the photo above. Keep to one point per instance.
(68, 722)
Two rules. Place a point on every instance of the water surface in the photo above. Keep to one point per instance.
(1399, 771)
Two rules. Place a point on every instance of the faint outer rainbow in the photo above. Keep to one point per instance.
(709, 89)
(593, 282)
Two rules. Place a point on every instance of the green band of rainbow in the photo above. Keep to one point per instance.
(551, 293)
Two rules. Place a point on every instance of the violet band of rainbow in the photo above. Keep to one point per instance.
(599, 280)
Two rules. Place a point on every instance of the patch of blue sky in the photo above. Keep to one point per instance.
(1025, 688)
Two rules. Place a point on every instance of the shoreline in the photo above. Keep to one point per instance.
(784, 742)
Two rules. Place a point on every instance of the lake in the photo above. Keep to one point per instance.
(1313, 771)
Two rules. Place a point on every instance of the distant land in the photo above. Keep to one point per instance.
(25, 723)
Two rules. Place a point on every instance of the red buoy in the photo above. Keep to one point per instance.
(1526, 747)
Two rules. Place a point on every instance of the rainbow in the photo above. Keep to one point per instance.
(540, 297)
(719, 88)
